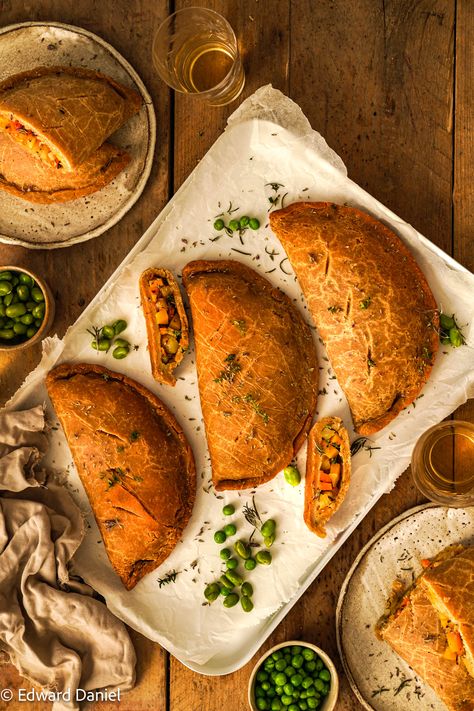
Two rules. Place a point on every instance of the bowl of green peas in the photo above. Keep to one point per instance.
(26, 308)
(293, 676)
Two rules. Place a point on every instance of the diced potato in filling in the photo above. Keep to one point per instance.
(167, 318)
(330, 471)
(29, 140)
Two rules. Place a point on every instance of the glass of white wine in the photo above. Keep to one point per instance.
(195, 51)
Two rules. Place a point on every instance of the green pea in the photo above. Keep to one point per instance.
(120, 352)
(310, 666)
(232, 564)
(292, 475)
(303, 705)
(231, 600)
(234, 577)
(319, 684)
(288, 689)
(308, 654)
(297, 661)
(225, 591)
(280, 679)
(325, 691)
(265, 685)
(250, 564)
(446, 322)
(219, 537)
(230, 529)
(225, 554)
(6, 276)
(212, 591)
(325, 675)
(254, 223)
(26, 279)
(455, 337)
(219, 225)
(276, 705)
(271, 693)
(277, 655)
(280, 665)
(15, 310)
(247, 604)
(293, 707)
(38, 310)
(296, 692)
(6, 334)
(247, 589)
(262, 704)
(5, 288)
(244, 221)
(119, 326)
(264, 557)
(23, 292)
(259, 692)
(108, 332)
(319, 664)
(313, 703)
(31, 332)
(296, 649)
(268, 528)
(20, 329)
(296, 679)
(234, 225)
(228, 510)
(269, 540)
(242, 549)
(269, 664)
(262, 675)
(307, 682)
(27, 319)
(311, 691)
(289, 671)
(286, 700)
(37, 295)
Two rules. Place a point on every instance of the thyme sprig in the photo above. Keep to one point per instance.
(361, 443)
(169, 578)
(251, 514)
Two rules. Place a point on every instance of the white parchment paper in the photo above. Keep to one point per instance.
(268, 140)
(379, 676)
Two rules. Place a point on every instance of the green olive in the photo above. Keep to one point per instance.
(242, 549)
(212, 592)
(27, 319)
(37, 295)
(20, 329)
(6, 334)
(6, 276)
(224, 579)
(38, 322)
(26, 279)
(38, 310)
(120, 352)
(231, 600)
(2, 309)
(121, 343)
(268, 528)
(269, 540)
(5, 288)
(23, 292)
(247, 604)
(31, 332)
(234, 577)
(247, 589)
(108, 332)
(15, 310)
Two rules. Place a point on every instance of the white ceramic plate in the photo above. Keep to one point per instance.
(380, 679)
(33, 44)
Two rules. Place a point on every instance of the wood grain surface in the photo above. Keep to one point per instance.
(389, 83)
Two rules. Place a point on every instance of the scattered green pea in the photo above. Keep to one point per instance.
(263, 557)
(225, 591)
(455, 337)
(103, 344)
(220, 537)
(250, 564)
(268, 528)
(446, 322)
(119, 326)
(219, 224)
(225, 554)
(231, 600)
(244, 221)
(254, 223)
(230, 530)
(228, 510)
(242, 549)
(292, 475)
(212, 592)
(234, 225)
(232, 563)
(108, 332)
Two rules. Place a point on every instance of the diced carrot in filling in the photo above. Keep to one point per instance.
(450, 654)
(325, 486)
(455, 642)
(330, 471)
(331, 451)
(29, 140)
(166, 317)
(324, 477)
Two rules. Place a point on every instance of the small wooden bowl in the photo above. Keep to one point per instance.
(330, 701)
(48, 313)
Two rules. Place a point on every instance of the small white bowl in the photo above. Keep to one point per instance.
(330, 701)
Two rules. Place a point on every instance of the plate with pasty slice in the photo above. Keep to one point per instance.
(77, 135)
(406, 613)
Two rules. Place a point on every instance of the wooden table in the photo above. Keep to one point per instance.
(390, 85)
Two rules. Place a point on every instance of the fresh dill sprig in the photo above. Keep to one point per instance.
(169, 578)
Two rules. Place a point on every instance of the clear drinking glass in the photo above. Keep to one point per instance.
(195, 51)
(443, 463)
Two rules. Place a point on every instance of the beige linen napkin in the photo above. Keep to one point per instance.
(55, 633)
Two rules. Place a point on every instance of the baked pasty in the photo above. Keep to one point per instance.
(166, 322)
(257, 371)
(328, 472)
(133, 459)
(371, 304)
(22, 175)
(61, 115)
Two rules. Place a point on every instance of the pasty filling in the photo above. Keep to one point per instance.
(166, 317)
(29, 140)
(330, 472)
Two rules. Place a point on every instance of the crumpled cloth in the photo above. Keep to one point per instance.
(53, 630)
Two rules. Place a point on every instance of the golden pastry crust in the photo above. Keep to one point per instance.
(162, 371)
(22, 175)
(320, 505)
(133, 459)
(370, 301)
(70, 109)
(257, 371)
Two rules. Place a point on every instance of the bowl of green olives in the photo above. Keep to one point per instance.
(293, 676)
(26, 308)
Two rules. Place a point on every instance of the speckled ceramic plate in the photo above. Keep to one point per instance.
(380, 679)
(33, 44)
